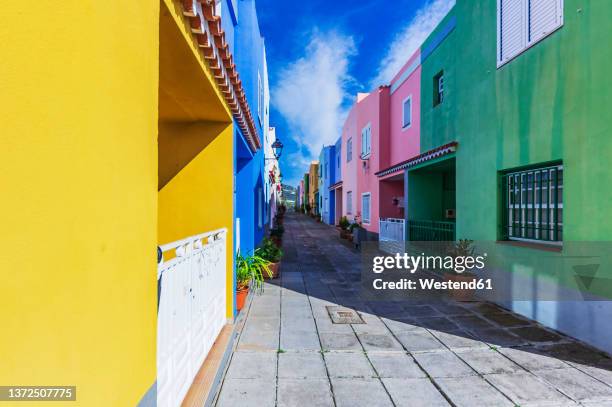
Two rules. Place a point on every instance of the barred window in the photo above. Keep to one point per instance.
(533, 204)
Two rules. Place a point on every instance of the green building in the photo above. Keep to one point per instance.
(516, 144)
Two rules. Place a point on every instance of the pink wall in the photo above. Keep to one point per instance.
(404, 143)
(390, 144)
(373, 110)
(389, 189)
(349, 182)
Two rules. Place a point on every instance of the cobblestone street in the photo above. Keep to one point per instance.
(436, 353)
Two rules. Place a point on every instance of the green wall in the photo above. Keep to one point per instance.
(549, 103)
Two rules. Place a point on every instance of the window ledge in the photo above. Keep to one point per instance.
(532, 245)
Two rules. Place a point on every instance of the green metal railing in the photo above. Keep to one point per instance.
(431, 230)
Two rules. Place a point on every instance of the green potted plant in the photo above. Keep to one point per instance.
(271, 252)
(344, 225)
(250, 271)
(462, 248)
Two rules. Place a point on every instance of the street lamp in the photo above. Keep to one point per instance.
(277, 148)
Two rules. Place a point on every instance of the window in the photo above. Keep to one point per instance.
(349, 202)
(407, 112)
(326, 171)
(366, 139)
(438, 88)
(349, 150)
(523, 23)
(533, 204)
(365, 208)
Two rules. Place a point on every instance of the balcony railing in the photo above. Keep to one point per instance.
(431, 231)
(191, 313)
(391, 230)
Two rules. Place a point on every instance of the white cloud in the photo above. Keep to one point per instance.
(310, 93)
(410, 39)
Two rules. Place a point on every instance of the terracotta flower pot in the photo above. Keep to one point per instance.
(464, 295)
(241, 296)
(275, 269)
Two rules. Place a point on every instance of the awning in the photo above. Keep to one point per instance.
(335, 186)
(419, 159)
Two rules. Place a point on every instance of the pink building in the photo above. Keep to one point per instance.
(373, 153)
(403, 144)
(380, 134)
(349, 160)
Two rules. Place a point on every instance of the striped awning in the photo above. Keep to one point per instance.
(419, 159)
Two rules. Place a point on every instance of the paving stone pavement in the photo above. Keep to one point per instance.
(438, 353)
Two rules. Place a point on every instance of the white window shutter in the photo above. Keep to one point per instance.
(545, 16)
(512, 28)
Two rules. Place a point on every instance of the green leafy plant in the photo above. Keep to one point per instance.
(270, 251)
(249, 271)
(344, 223)
(462, 248)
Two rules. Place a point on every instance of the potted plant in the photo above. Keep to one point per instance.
(250, 272)
(462, 248)
(271, 252)
(344, 225)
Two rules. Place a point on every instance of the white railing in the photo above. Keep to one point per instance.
(191, 310)
(391, 230)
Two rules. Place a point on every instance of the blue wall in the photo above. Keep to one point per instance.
(249, 165)
(246, 44)
(327, 167)
(337, 162)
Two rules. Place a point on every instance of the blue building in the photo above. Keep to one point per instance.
(335, 188)
(241, 27)
(327, 167)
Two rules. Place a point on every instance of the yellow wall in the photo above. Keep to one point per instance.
(207, 181)
(78, 180)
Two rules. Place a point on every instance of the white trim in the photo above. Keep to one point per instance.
(368, 133)
(369, 208)
(526, 18)
(409, 125)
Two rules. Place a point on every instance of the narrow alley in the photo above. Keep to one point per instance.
(290, 353)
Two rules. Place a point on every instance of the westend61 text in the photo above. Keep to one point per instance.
(433, 284)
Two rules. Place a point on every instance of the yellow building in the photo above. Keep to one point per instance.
(116, 130)
(313, 183)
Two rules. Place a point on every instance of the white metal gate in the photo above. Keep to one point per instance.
(191, 310)
(391, 229)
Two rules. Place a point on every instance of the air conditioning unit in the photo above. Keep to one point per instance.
(449, 214)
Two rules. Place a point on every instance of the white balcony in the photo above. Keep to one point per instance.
(192, 310)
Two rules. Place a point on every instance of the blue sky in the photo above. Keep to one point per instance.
(321, 53)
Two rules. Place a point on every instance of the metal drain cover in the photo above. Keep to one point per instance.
(341, 315)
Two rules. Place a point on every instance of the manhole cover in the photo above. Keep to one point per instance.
(341, 315)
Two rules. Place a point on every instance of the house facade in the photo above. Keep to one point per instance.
(313, 187)
(327, 168)
(510, 130)
(252, 192)
(401, 145)
(128, 186)
(335, 188)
